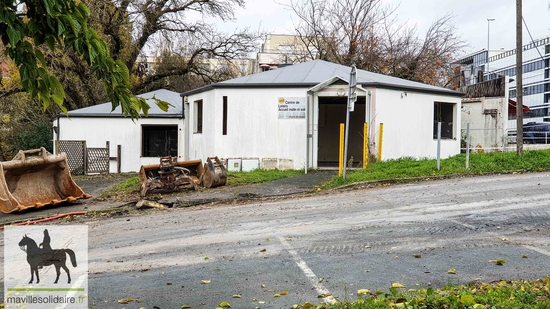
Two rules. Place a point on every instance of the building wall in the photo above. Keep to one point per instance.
(488, 123)
(254, 129)
(118, 131)
(408, 119)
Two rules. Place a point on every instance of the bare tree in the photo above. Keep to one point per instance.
(365, 33)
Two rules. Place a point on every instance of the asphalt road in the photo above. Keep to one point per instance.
(332, 244)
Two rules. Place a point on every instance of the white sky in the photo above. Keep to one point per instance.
(470, 18)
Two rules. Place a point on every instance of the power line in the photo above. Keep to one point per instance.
(525, 23)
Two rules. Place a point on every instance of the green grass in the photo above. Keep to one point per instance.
(480, 163)
(499, 295)
(128, 185)
(259, 175)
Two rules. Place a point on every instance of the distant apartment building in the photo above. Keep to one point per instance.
(280, 50)
(237, 67)
(487, 65)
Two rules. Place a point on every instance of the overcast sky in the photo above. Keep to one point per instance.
(470, 18)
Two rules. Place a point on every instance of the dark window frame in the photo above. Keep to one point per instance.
(198, 116)
(445, 113)
(224, 122)
(159, 140)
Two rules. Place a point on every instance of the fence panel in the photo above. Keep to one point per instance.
(76, 152)
(98, 160)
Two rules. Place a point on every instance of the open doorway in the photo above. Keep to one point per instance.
(332, 112)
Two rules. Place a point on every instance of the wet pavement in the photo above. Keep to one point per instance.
(296, 185)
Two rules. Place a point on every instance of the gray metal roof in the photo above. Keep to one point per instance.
(311, 73)
(105, 109)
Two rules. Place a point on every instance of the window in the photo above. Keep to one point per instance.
(159, 141)
(444, 113)
(198, 117)
(224, 125)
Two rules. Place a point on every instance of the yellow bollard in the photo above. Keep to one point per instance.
(341, 156)
(365, 145)
(380, 139)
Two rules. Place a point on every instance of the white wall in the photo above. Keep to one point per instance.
(487, 131)
(409, 123)
(255, 131)
(253, 127)
(118, 131)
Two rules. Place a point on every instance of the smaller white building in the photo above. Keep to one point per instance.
(142, 141)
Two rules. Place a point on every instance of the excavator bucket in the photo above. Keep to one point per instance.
(34, 179)
(170, 175)
(214, 173)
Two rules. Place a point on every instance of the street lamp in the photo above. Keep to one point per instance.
(489, 20)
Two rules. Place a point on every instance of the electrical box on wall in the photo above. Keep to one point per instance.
(234, 165)
(250, 164)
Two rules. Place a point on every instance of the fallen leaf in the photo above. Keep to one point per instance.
(397, 285)
(108, 261)
(277, 295)
(284, 293)
(206, 281)
(185, 306)
(168, 283)
(261, 302)
(452, 271)
(206, 258)
(418, 256)
(263, 250)
(368, 247)
(237, 296)
(363, 292)
(263, 286)
(498, 262)
(225, 304)
(321, 296)
(125, 300)
(524, 256)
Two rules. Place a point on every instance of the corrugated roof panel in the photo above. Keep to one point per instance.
(105, 109)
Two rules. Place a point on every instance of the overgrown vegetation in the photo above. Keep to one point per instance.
(498, 295)
(259, 176)
(480, 163)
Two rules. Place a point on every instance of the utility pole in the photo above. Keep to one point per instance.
(519, 78)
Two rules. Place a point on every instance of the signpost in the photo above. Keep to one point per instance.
(352, 97)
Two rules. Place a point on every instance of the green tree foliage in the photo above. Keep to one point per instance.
(27, 25)
(36, 135)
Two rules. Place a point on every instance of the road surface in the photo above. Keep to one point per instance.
(324, 245)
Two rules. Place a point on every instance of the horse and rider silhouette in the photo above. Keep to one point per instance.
(45, 256)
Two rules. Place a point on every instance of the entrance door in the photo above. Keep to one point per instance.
(332, 112)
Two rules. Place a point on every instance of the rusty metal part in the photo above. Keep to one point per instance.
(170, 175)
(214, 173)
(34, 179)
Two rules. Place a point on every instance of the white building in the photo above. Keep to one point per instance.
(536, 75)
(290, 117)
(287, 118)
(142, 141)
(280, 50)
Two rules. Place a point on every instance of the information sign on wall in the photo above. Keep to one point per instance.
(291, 107)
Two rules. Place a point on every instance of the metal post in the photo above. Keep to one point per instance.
(365, 145)
(341, 153)
(439, 145)
(118, 158)
(351, 92)
(468, 145)
(380, 139)
(489, 20)
(346, 139)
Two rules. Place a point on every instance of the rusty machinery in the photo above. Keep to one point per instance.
(170, 175)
